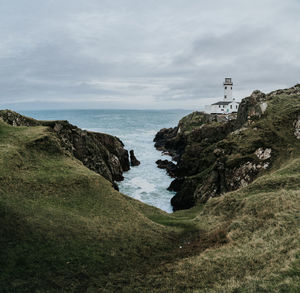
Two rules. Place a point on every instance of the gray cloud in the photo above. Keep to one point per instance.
(143, 54)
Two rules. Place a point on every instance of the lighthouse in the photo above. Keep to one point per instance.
(228, 89)
(228, 105)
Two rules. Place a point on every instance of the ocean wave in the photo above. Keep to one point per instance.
(142, 184)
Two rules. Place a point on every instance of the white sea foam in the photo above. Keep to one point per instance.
(142, 184)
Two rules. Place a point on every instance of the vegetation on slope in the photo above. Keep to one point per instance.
(102, 153)
(63, 228)
(217, 157)
(257, 236)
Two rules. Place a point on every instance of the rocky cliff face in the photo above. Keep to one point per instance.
(216, 154)
(197, 125)
(102, 153)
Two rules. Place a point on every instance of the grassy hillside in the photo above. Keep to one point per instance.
(63, 228)
(253, 239)
(62, 225)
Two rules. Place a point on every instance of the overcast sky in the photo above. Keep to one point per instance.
(157, 54)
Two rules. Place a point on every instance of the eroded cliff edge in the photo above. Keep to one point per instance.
(102, 153)
(216, 154)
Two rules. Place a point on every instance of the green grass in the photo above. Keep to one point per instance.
(257, 242)
(194, 121)
(60, 220)
(63, 228)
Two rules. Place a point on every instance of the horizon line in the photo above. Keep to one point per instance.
(97, 109)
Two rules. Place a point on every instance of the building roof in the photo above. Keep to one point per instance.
(224, 103)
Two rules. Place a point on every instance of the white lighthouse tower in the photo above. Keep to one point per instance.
(228, 105)
(227, 89)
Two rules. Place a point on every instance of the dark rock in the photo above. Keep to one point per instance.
(170, 142)
(168, 165)
(189, 143)
(167, 141)
(115, 186)
(198, 155)
(133, 160)
(176, 184)
(102, 153)
(184, 198)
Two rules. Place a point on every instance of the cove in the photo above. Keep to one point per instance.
(136, 129)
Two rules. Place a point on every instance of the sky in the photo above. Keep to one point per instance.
(134, 54)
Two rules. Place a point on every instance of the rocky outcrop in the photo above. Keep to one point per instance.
(102, 153)
(297, 127)
(187, 147)
(251, 108)
(219, 154)
(133, 160)
(16, 119)
(173, 141)
(169, 166)
(169, 142)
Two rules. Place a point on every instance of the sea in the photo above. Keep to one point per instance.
(136, 129)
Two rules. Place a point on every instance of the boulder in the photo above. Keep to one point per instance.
(133, 160)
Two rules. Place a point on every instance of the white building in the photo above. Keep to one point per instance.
(228, 105)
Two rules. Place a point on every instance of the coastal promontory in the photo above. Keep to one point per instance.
(102, 153)
(216, 154)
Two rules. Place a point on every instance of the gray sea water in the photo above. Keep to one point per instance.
(136, 128)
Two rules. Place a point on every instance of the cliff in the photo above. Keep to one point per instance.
(102, 153)
(63, 228)
(216, 154)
